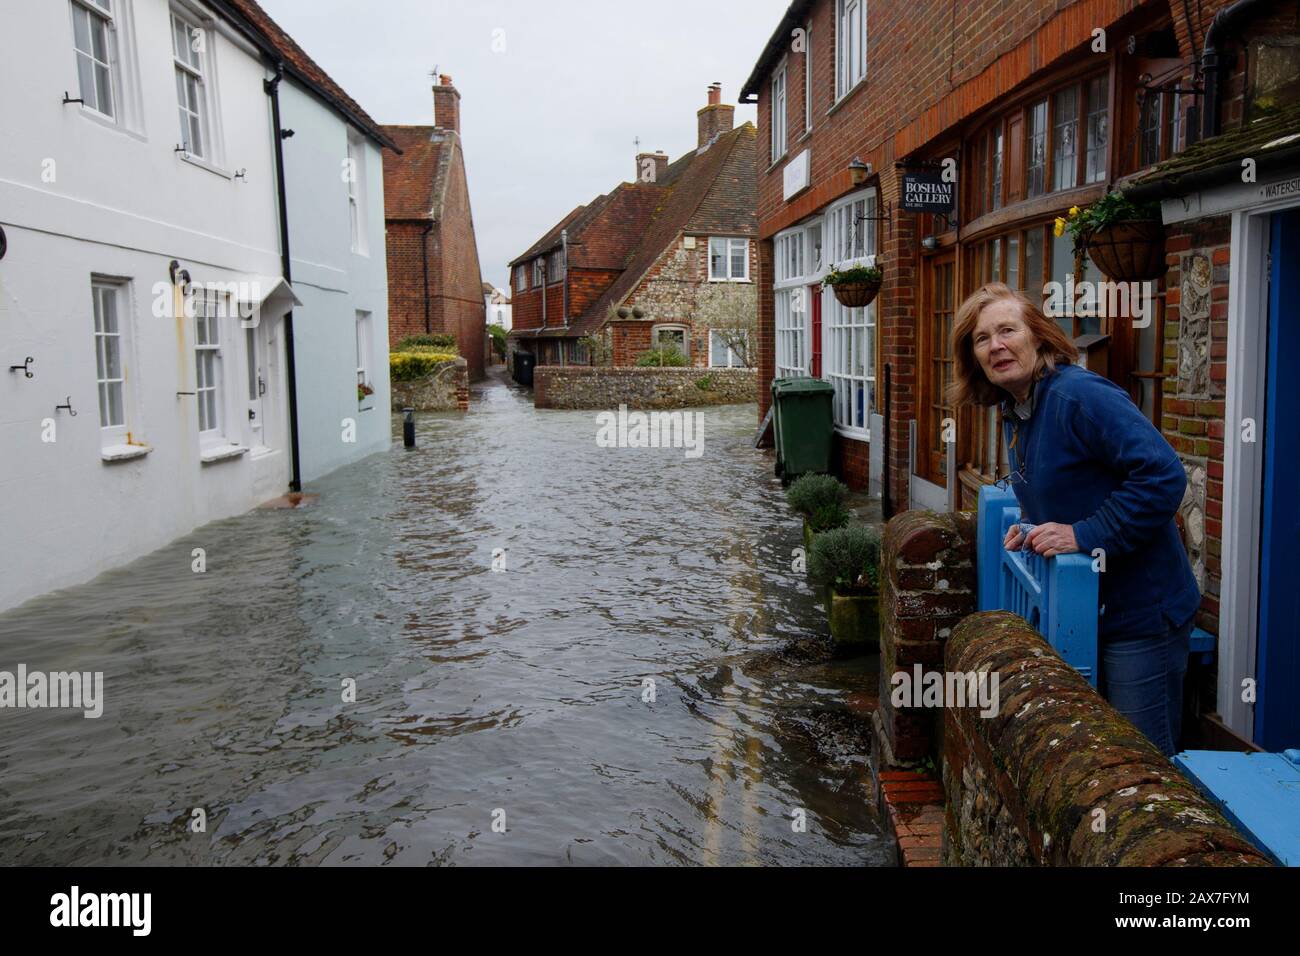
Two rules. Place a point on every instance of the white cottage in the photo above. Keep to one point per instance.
(143, 301)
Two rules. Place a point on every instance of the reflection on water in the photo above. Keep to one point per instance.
(523, 691)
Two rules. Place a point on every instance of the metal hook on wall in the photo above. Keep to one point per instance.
(24, 368)
(71, 411)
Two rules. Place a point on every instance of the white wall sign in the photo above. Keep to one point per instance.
(796, 174)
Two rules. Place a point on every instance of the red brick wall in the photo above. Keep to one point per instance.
(455, 287)
(631, 338)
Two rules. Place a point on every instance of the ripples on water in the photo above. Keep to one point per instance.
(475, 690)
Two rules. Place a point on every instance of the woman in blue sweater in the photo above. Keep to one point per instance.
(1092, 475)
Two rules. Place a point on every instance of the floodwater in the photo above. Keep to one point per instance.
(643, 682)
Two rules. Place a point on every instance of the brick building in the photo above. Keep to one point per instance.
(666, 258)
(1040, 106)
(434, 284)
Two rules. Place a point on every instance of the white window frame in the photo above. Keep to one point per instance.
(793, 273)
(365, 329)
(779, 112)
(193, 68)
(98, 13)
(850, 45)
(210, 308)
(807, 79)
(357, 200)
(672, 327)
(733, 243)
(732, 360)
(849, 336)
(119, 341)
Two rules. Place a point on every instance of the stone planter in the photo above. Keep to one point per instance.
(854, 619)
(1130, 251)
(855, 295)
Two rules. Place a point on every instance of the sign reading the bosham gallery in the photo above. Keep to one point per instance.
(927, 192)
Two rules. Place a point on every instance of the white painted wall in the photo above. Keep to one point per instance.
(81, 196)
(498, 309)
(334, 283)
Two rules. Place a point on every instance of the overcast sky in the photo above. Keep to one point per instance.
(549, 121)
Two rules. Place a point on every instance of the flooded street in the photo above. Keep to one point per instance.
(621, 693)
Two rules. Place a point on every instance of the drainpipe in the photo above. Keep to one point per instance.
(272, 88)
(1223, 23)
(424, 249)
(564, 255)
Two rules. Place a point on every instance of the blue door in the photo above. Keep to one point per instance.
(1277, 710)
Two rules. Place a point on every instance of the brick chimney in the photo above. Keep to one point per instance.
(717, 117)
(446, 105)
(650, 165)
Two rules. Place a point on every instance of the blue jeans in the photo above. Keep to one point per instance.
(1142, 677)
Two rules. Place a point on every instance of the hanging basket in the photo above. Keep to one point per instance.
(855, 295)
(1129, 251)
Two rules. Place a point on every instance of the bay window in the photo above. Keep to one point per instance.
(849, 335)
(791, 299)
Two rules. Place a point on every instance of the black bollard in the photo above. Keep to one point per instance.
(408, 427)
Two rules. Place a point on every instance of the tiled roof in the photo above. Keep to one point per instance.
(302, 66)
(713, 191)
(415, 181)
(627, 229)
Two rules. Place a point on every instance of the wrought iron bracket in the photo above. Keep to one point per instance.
(24, 367)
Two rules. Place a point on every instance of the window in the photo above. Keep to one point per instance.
(1098, 107)
(669, 336)
(188, 44)
(93, 38)
(1065, 138)
(721, 351)
(555, 266)
(850, 44)
(365, 365)
(539, 272)
(208, 365)
(995, 158)
(521, 278)
(778, 113)
(791, 299)
(1036, 145)
(728, 260)
(850, 334)
(356, 178)
(807, 78)
(110, 366)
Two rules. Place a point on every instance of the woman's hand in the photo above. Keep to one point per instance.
(1051, 539)
(1014, 539)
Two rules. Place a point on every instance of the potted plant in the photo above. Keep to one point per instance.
(1125, 240)
(857, 286)
(820, 499)
(847, 562)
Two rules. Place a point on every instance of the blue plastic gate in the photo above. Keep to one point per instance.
(1057, 596)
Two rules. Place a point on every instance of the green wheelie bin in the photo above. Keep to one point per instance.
(802, 426)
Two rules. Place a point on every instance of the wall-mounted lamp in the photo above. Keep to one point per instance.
(859, 171)
(930, 243)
